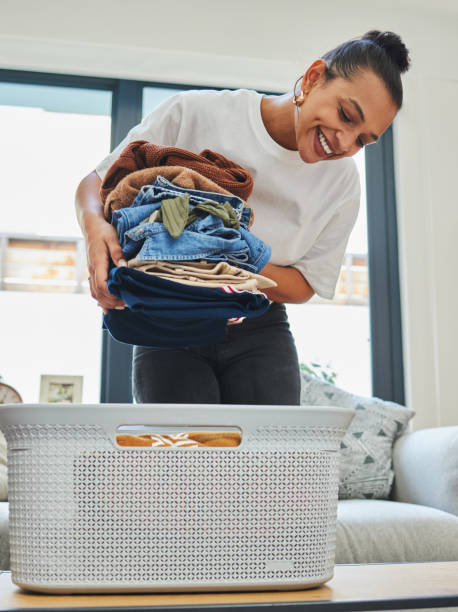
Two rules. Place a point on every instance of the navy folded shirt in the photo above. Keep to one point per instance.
(165, 314)
(159, 332)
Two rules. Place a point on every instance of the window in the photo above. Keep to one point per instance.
(153, 96)
(333, 336)
(55, 129)
(51, 137)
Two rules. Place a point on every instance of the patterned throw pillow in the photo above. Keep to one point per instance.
(365, 462)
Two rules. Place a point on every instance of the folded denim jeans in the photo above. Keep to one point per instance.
(150, 199)
(176, 213)
(243, 213)
(205, 238)
(163, 188)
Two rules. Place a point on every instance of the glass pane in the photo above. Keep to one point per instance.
(52, 137)
(153, 96)
(333, 336)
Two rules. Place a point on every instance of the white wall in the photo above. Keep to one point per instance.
(265, 44)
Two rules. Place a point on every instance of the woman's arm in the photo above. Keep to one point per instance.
(291, 287)
(100, 238)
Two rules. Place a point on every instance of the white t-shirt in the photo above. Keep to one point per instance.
(305, 212)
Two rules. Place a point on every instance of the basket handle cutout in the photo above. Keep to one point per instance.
(166, 436)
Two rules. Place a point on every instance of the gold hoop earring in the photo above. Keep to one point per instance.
(299, 100)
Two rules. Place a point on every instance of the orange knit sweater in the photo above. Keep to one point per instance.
(143, 154)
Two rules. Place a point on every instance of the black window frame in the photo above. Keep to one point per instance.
(384, 304)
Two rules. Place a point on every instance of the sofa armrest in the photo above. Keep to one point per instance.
(425, 465)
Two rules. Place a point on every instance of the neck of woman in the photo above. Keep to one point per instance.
(279, 117)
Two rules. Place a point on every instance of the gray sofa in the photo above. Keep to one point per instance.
(419, 522)
(398, 489)
(416, 472)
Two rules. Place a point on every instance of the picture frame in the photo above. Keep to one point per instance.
(60, 389)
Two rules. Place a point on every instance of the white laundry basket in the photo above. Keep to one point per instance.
(87, 515)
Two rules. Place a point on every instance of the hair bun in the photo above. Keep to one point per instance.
(392, 45)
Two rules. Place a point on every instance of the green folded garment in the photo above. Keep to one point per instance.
(176, 213)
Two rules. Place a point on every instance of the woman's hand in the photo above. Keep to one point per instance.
(101, 246)
(101, 240)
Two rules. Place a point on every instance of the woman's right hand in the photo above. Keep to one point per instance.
(101, 240)
(101, 246)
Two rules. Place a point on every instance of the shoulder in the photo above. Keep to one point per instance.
(223, 98)
(216, 119)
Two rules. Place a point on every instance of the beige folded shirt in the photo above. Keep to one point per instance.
(205, 274)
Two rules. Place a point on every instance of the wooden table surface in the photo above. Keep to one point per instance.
(353, 587)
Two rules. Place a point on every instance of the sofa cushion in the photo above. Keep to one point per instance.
(366, 449)
(426, 467)
(380, 531)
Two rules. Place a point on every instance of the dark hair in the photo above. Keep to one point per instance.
(382, 52)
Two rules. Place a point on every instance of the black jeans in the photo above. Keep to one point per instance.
(256, 363)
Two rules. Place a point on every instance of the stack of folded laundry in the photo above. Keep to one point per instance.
(193, 264)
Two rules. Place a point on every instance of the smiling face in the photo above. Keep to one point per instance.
(340, 116)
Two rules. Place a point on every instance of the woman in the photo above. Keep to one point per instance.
(305, 200)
